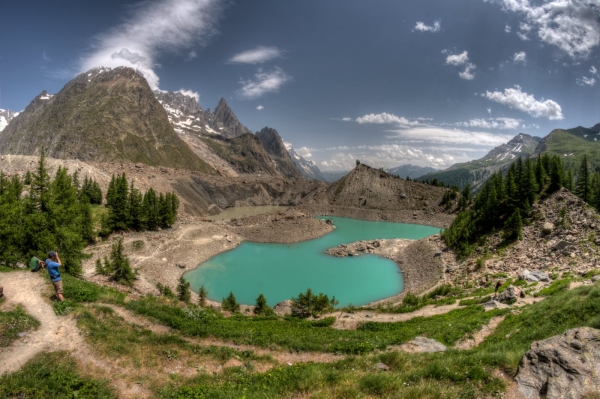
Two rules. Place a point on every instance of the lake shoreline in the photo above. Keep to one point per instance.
(166, 255)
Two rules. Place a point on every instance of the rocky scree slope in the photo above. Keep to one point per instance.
(477, 172)
(368, 188)
(563, 237)
(103, 115)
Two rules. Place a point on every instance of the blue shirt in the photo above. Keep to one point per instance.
(53, 270)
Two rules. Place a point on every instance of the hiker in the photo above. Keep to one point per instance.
(498, 285)
(36, 264)
(1, 292)
(52, 264)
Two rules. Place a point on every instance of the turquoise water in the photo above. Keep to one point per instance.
(282, 271)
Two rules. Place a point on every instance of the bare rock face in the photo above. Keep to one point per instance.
(283, 308)
(565, 366)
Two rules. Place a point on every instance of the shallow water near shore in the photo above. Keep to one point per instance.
(282, 271)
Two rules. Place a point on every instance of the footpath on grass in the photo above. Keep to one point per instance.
(54, 334)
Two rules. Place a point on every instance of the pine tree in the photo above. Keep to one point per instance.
(230, 304)
(150, 209)
(513, 226)
(122, 272)
(202, 295)
(136, 210)
(183, 290)
(582, 188)
(40, 186)
(261, 307)
(28, 178)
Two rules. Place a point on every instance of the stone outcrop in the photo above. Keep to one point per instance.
(534, 276)
(511, 294)
(422, 345)
(565, 366)
(283, 308)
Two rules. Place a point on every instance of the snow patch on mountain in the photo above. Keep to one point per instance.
(307, 167)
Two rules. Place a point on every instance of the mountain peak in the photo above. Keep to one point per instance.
(277, 151)
(225, 121)
(106, 115)
(596, 127)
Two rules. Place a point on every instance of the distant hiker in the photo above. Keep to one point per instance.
(36, 264)
(498, 285)
(52, 264)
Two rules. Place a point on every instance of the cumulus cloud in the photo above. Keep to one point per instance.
(593, 70)
(468, 74)
(260, 108)
(304, 152)
(190, 93)
(264, 82)
(154, 28)
(492, 123)
(258, 55)
(585, 81)
(421, 27)
(507, 29)
(517, 99)
(522, 36)
(441, 135)
(457, 59)
(520, 57)
(571, 25)
(385, 118)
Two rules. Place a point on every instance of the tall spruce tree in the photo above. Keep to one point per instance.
(582, 188)
(122, 272)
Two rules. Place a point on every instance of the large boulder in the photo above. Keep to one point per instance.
(547, 228)
(283, 308)
(535, 275)
(422, 345)
(511, 294)
(565, 366)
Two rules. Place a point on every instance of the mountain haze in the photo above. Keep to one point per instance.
(411, 171)
(476, 172)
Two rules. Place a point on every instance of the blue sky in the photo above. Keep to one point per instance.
(387, 82)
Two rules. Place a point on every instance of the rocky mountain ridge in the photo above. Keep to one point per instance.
(308, 168)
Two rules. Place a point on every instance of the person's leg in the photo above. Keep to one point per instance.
(58, 287)
(1, 292)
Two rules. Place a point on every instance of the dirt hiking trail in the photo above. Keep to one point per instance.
(55, 333)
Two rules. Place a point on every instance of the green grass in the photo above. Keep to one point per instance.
(78, 291)
(554, 288)
(52, 375)
(14, 322)
(301, 335)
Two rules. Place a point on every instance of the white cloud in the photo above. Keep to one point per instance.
(190, 93)
(260, 108)
(263, 83)
(441, 135)
(304, 152)
(154, 28)
(457, 59)
(425, 28)
(520, 57)
(191, 55)
(385, 118)
(468, 74)
(517, 99)
(593, 70)
(492, 123)
(571, 25)
(489, 110)
(584, 81)
(259, 55)
(346, 119)
(507, 29)
(522, 36)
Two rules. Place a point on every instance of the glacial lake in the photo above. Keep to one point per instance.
(282, 271)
